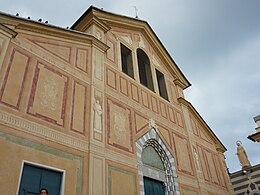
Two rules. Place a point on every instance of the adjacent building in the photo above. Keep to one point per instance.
(255, 137)
(99, 109)
(246, 181)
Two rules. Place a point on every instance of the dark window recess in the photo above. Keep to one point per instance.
(161, 85)
(126, 60)
(145, 73)
(34, 178)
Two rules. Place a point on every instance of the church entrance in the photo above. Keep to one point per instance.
(156, 167)
(153, 187)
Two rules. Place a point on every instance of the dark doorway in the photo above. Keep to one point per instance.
(153, 187)
(34, 178)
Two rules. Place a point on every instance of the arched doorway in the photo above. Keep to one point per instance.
(153, 171)
(162, 171)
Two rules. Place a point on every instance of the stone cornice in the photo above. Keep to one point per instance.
(25, 25)
(87, 21)
(63, 33)
(7, 30)
(219, 145)
(179, 83)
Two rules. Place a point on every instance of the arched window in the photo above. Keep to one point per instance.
(145, 73)
(151, 158)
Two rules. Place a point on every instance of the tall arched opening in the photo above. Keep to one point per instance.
(162, 170)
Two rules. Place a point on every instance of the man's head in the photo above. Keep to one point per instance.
(43, 191)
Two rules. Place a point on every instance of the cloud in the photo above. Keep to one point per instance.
(227, 95)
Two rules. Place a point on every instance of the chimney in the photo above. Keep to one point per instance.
(257, 121)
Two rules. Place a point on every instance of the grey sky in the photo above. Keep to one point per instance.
(216, 43)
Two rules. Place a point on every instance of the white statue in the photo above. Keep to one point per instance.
(197, 160)
(97, 116)
(152, 124)
(242, 156)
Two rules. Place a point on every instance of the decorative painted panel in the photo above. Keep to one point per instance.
(121, 182)
(179, 119)
(48, 95)
(219, 171)
(135, 92)
(187, 191)
(78, 116)
(119, 127)
(194, 126)
(203, 164)
(2, 43)
(123, 86)
(97, 175)
(111, 50)
(82, 59)
(98, 65)
(60, 51)
(165, 134)
(145, 99)
(154, 102)
(171, 114)
(183, 155)
(141, 122)
(212, 167)
(13, 83)
(174, 93)
(3, 47)
(111, 78)
(163, 109)
(204, 135)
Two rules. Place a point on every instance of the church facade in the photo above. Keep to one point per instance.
(99, 109)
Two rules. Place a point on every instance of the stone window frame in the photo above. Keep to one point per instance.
(30, 163)
(130, 52)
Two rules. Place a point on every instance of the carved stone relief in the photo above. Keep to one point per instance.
(152, 124)
(97, 116)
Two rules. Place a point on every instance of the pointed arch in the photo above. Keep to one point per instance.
(151, 138)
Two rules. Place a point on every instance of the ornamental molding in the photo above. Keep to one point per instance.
(120, 158)
(32, 128)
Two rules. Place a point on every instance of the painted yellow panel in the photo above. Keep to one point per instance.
(79, 106)
(48, 97)
(122, 182)
(14, 79)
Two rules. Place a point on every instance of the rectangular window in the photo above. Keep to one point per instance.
(126, 60)
(161, 85)
(35, 177)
